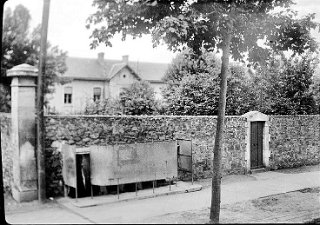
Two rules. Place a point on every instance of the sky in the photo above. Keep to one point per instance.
(67, 20)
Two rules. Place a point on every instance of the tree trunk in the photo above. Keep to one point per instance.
(218, 145)
(40, 101)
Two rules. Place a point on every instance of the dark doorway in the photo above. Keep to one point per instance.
(83, 177)
(256, 145)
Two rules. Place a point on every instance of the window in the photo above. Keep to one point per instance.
(124, 76)
(96, 94)
(67, 95)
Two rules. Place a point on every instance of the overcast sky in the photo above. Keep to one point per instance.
(67, 21)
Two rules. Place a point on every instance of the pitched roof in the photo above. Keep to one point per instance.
(91, 69)
(149, 71)
(83, 68)
(119, 66)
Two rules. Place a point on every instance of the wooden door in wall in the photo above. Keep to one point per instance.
(256, 145)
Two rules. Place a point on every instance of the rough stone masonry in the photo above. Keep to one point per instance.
(294, 140)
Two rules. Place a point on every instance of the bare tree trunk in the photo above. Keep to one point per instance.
(218, 145)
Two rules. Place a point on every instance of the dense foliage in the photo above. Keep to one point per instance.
(315, 87)
(195, 95)
(190, 84)
(104, 107)
(288, 86)
(136, 99)
(139, 99)
(20, 46)
(192, 87)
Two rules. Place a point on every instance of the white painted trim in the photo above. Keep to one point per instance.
(255, 116)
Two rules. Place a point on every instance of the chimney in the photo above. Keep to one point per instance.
(101, 58)
(125, 59)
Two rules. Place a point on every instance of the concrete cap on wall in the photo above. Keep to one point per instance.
(23, 70)
(256, 116)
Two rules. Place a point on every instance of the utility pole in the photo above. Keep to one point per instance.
(2, 211)
(40, 100)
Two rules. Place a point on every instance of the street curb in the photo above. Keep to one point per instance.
(64, 201)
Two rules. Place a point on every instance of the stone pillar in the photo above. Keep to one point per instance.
(23, 115)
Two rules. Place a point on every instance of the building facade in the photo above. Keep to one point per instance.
(96, 79)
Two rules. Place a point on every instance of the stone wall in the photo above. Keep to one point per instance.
(105, 130)
(6, 150)
(294, 141)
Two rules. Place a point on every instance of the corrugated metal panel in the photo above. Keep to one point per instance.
(129, 163)
(185, 155)
(102, 165)
(69, 165)
(165, 157)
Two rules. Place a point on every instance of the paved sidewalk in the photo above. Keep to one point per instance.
(240, 189)
(178, 188)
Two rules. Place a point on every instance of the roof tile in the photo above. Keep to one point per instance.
(91, 68)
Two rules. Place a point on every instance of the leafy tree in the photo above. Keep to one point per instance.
(315, 88)
(241, 98)
(195, 95)
(193, 88)
(104, 107)
(233, 26)
(4, 99)
(188, 79)
(138, 99)
(20, 46)
(293, 88)
(317, 97)
(285, 86)
(260, 82)
(15, 50)
(186, 63)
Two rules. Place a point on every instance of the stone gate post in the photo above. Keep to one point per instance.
(23, 115)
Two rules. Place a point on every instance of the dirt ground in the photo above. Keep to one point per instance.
(206, 183)
(291, 207)
(300, 169)
(11, 205)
